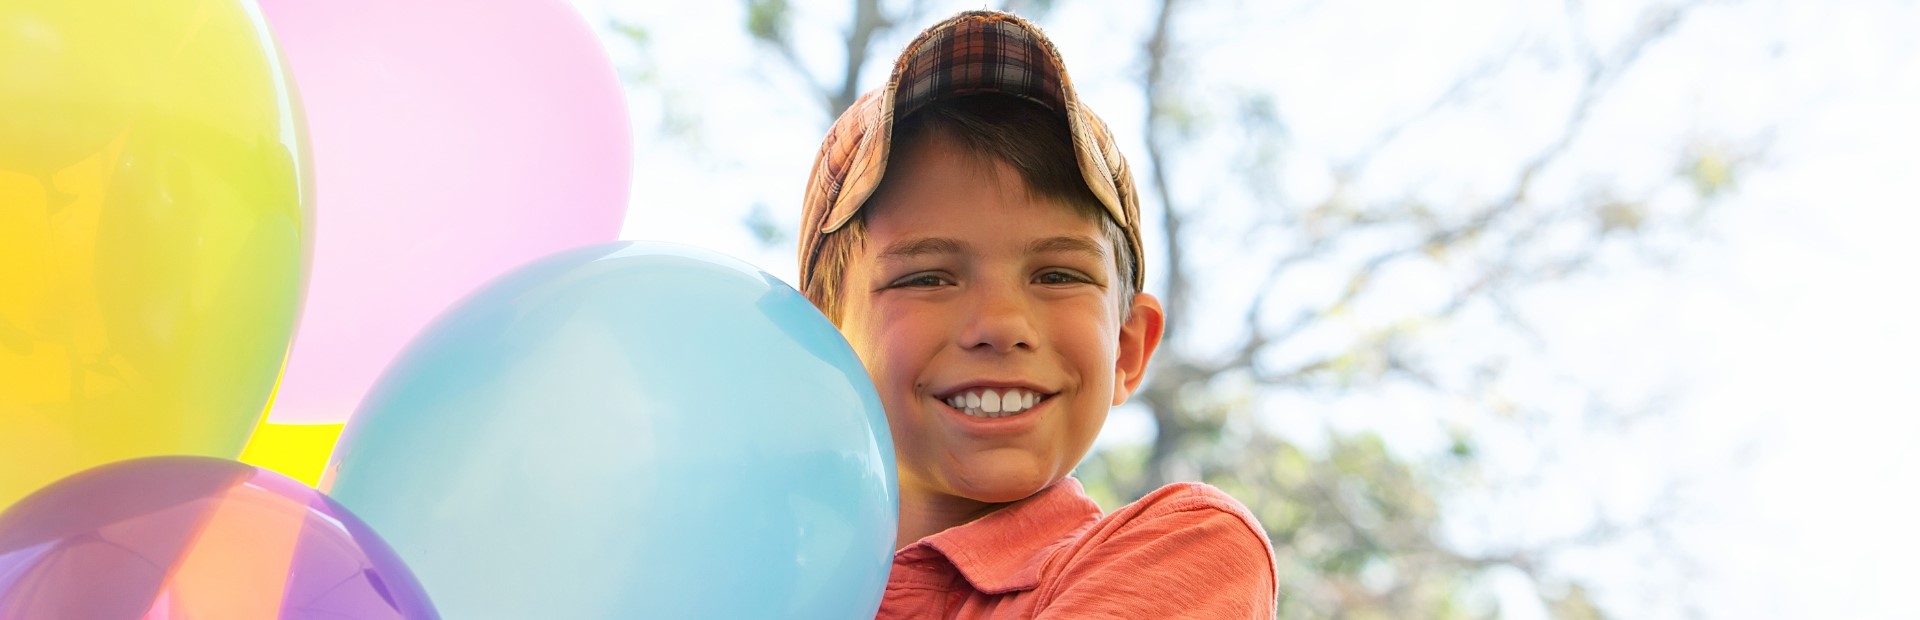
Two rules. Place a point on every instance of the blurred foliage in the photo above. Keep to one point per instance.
(765, 229)
(1357, 528)
(767, 20)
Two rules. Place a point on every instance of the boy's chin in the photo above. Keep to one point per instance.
(1001, 483)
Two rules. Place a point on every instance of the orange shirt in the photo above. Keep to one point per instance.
(1187, 550)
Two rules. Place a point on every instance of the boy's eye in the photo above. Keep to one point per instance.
(1062, 277)
(920, 280)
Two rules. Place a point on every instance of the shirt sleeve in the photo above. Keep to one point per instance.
(1185, 551)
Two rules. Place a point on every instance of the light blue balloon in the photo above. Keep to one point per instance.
(624, 431)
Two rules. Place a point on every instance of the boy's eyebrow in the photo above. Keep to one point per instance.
(1069, 245)
(910, 248)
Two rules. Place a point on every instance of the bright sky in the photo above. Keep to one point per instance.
(1786, 330)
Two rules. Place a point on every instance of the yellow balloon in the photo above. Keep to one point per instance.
(299, 451)
(153, 231)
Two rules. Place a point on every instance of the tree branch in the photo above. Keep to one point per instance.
(769, 20)
(1156, 52)
(867, 22)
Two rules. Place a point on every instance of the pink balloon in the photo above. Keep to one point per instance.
(451, 141)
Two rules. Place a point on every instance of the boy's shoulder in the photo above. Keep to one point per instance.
(1190, 497)
(1194, 509)
(1188, 545)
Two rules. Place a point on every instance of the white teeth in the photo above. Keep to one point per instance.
(994, 404)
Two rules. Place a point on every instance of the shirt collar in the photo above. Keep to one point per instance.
(1002, 552)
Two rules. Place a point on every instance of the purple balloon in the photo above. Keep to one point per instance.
(189, 537)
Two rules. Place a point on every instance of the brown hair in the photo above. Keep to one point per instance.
(1030, 138)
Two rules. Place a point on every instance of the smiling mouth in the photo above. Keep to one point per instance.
(995, 403)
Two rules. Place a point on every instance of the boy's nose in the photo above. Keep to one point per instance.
(1001, 322)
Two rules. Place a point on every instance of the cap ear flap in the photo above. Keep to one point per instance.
(827, 181)
(1093, 146)
(1108, 177)
(1095, 160)
(861, 170)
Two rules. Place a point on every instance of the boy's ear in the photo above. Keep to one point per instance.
(1139, 337)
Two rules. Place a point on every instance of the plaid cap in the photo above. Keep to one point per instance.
(970, 53)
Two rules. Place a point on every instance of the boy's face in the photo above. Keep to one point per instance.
(969, 291)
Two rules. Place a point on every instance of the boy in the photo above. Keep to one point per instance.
(974, 234)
